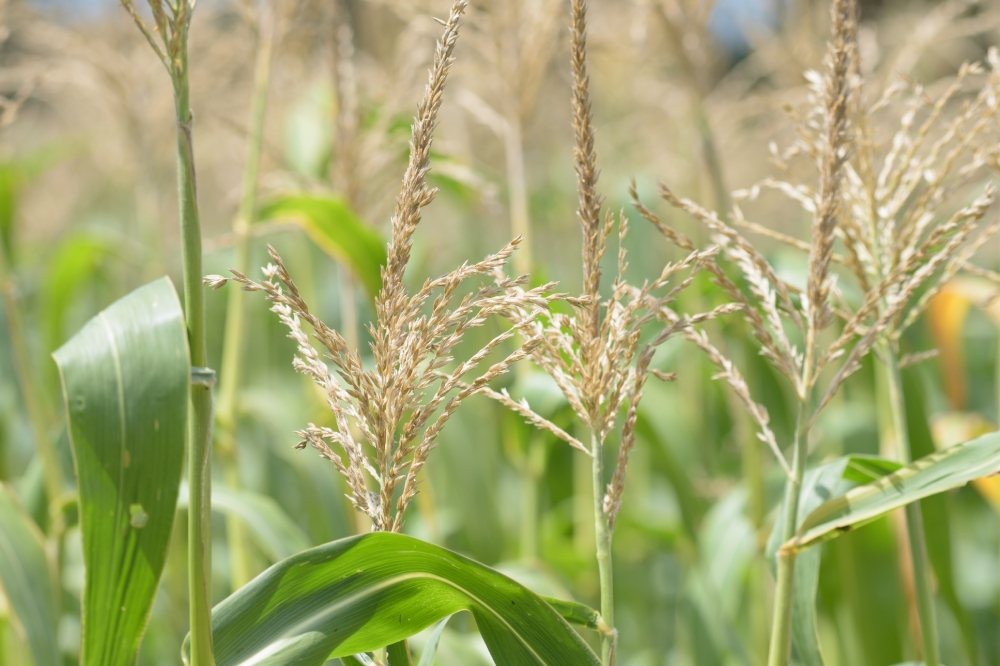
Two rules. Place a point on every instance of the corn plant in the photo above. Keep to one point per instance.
(894, 217)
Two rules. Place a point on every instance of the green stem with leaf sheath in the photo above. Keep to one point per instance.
(602, 532)
(233, 343)
(781, 627)
(200, 419)
(914, 517)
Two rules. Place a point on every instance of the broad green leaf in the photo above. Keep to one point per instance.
(819, 485)
(26, 580)
(74, 263)
(331, 223)
(362, 593)
(277, 536)
(951, 468)
(431, 647)
(126, 378)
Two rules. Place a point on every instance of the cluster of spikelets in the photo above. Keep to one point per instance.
(170, 20)
(877, 215)
(388, 418)
(597, 357)
(880, 214)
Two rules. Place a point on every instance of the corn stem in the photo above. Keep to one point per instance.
(914, 518)
(200, 420)
(602, 531)
(781, 627)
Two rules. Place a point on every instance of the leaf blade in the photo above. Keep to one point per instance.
(126, 378)
(933, 474)
(26, 581)
(358, 594)
(334, 226)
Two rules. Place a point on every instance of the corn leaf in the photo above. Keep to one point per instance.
(819, 485)
(431, 647)
(358, 594)
(26, 580)
(74, 264)
(331, 223)
(933, 474)
(126, 378)
(271, 529)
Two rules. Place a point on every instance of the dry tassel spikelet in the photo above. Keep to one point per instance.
(400, 405)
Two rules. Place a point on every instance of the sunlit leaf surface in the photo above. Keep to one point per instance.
(126, 378)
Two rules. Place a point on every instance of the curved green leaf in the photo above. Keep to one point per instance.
(75, 261)
(951, 468)
(819, 485)
(26, 581)
(331, 223)
(126, 379)
(277, 536)
(362, 593)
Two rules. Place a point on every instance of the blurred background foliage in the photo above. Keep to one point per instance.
(691, 92)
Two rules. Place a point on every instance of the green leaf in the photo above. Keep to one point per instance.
(74, 263)
(126, 379)
(331, 223)
(576, 613)
(431, 647)
(362, 593)
(819, 485)
(936, 511)
(26, 580)
(277, 536)
(951, 468)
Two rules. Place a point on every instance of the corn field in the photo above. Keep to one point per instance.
(513, 332)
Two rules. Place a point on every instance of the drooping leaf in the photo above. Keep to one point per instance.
(126, 379)
(362, 593)
(331, 223)
(26, 580)
(277, 536)
(951, 468)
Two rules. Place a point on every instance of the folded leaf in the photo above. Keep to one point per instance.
(362, 593)
(951, 468)
(126, 379)
(331, 223)
(26, 581)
